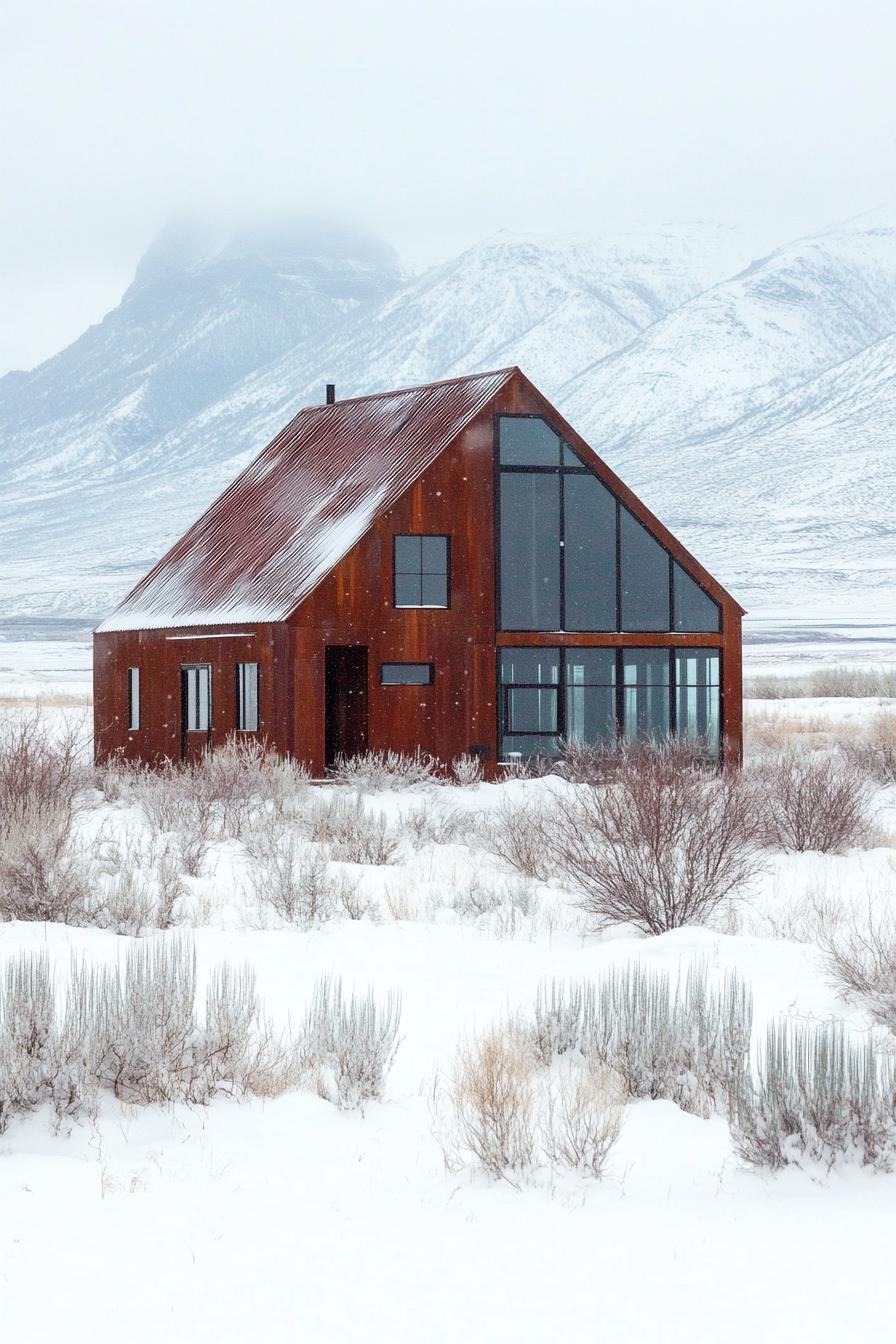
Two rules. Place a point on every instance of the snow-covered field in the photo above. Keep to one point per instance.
(289, 1219)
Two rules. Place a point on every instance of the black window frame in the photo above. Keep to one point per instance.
(430, 666)
(240, 701)
(565, 468)
(421, 606)
(619, 686)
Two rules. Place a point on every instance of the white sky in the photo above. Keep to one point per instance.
(434, 125)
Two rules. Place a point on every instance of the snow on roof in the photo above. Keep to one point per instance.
(295, 511)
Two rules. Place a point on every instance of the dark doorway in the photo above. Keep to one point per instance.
(346, 700)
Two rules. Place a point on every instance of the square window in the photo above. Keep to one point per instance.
(532, 709)
(421, 571)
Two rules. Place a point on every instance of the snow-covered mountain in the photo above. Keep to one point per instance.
(700, 374)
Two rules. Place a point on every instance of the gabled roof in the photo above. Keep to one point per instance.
(295, 511)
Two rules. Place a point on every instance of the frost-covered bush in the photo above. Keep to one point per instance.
(659, 845)
(686, 1043)
(138, 884)
(817, 1097)
(135, 1031)
(502, 906)
(224, 795)
(41, 1061)
(353, 834)
(296, 882)
(348, 1045)
(814, 801)
(466, 770)
(377, 771)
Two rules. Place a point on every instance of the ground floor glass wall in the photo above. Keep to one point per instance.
(592, 695)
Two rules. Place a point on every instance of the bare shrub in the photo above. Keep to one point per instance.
(519, 834)
(688, 1044)
(117, 778)
(297, 884)
(874, 754)
(348, 1046)
(508, 1114)
(359, 904)
(353, 834)
(377, 771)
(862, 960)
(817, 1097)
(467, 770)
(37, 769)
(43, 876)
(833, 682)
(399, 904)
(493, 1098)
(429, 824)
(818, 802)
(581, 1117)
(658, 846)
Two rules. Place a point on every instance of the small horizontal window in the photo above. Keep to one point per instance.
(406, 674)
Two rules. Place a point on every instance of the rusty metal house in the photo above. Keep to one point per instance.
(448, 567)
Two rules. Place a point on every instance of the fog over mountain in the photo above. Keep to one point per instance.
(750, 401)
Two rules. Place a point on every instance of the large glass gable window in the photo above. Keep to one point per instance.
(571, 556)
(547, 696)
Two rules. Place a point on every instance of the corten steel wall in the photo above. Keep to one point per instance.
(160, 654)
(354, 605)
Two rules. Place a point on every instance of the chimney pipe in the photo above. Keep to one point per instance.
(331, 393)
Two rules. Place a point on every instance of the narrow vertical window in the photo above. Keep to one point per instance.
(645, 695)
(697, 697)
(197, 694)
(247, 697)
(133, 699)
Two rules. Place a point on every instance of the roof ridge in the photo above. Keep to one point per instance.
(402, 391)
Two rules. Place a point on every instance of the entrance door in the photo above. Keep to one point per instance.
(346, 700)
(195, 710)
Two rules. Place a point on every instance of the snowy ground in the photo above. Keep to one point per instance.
(290, 1220)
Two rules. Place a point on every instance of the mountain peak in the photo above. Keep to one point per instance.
(188, 245)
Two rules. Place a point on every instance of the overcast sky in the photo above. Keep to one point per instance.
(433, 124)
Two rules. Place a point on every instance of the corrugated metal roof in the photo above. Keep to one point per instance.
(295, 511)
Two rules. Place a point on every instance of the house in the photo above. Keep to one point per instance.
(448, 567)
